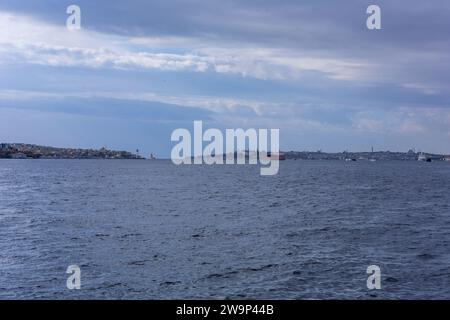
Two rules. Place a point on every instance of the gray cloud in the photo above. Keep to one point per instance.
(411, 49)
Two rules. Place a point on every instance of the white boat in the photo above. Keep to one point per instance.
(423, 157)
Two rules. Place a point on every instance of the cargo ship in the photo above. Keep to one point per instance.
(276, 156)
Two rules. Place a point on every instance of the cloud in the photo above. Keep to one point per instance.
(282, 42)
(213, 104)
(55, 46)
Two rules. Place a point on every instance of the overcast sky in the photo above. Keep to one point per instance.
(139, 69)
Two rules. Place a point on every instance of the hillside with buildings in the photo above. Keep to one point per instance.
(31, 151)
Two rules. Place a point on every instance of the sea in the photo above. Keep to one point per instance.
(141, 229)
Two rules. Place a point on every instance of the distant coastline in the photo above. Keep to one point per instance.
(32, 151)
(411, 155)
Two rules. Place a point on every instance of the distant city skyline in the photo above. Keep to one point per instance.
(137, 70)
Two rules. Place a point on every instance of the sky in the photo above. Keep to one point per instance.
(137, 70)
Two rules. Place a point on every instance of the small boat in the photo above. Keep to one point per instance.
(423, 157)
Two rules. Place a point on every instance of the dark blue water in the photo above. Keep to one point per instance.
(149, 229)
